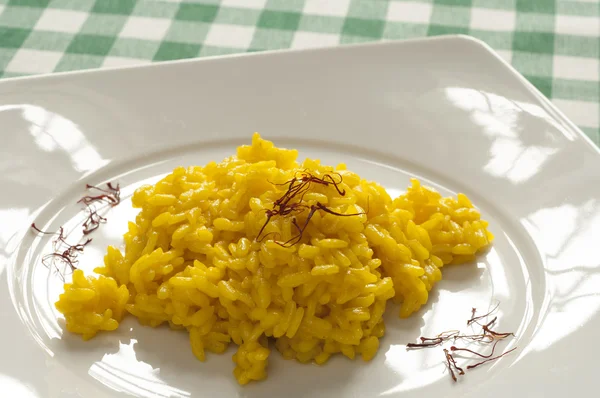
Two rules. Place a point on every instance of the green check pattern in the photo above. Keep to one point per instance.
(553, 43)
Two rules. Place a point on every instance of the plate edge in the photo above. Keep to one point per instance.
(467, 39)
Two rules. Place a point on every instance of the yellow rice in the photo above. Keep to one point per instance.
(192, 261)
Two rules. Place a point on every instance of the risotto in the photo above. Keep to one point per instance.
(235, 252)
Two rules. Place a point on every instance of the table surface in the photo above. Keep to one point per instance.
(553, 43)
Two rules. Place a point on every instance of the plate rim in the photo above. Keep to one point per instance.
(549, 106)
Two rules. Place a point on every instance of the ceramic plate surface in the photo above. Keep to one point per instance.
(448, 111)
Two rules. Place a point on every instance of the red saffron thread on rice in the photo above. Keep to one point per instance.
(297, 187)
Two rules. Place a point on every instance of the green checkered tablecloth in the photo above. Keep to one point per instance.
(554, 43)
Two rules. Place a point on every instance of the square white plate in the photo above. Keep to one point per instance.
(447, 110)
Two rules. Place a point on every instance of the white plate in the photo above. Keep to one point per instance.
(446, 110)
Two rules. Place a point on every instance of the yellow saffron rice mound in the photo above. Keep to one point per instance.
(194, 260)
